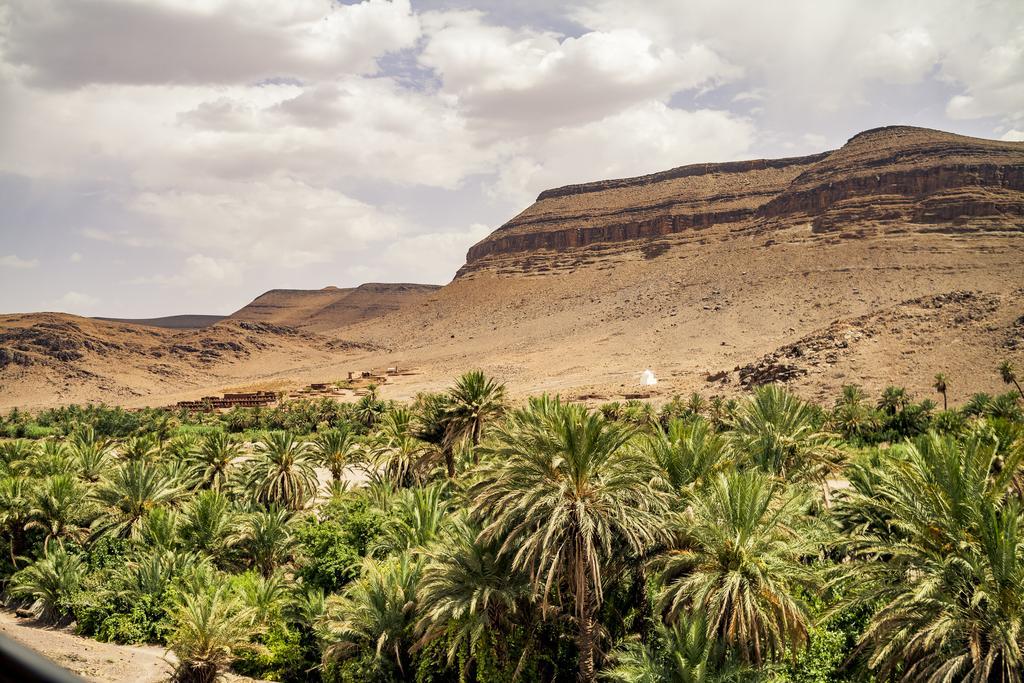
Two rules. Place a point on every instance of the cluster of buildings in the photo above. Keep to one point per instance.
(252, 399)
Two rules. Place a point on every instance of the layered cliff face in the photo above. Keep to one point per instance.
(891, 177)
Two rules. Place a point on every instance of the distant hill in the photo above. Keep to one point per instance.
(331, 308)
(172, 322)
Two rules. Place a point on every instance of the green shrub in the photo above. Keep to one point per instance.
(282, 657)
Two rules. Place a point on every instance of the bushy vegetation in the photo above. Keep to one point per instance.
(760, 538)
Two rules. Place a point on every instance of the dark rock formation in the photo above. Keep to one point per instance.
(895, 176)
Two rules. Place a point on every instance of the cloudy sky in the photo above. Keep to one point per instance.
(182, 156)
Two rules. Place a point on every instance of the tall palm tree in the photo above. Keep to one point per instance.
(471, 593)
(474, 400)
(134, 489)
(267, 538)
(434, 425)
(212, 460)
(948, 570)
(689, 451)
(741, 560)
(210, 627)
(941, 385)
(336, 449)
(398, 453)
(207, 524)
(778, 434)
(61, 508)
(563, 494)
(378, 611)
(1009, 375)
(282, 472)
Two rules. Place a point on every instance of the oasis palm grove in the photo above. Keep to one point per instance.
(461, 537)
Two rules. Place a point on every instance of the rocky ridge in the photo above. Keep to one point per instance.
(893, 178)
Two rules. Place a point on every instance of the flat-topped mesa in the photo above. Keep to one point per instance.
(895, 174)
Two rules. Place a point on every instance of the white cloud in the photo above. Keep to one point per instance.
(74, 302)
(15, 261)
(447, 252)
(824, 56)
(183, 42)
(75, 257)
(527, 79)
(198, 272)
(647, 138)
(1013, 135)
(281, 221)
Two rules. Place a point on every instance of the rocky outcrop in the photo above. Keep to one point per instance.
(898, 176)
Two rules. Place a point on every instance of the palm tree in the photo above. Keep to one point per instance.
(474, 400)
(940, 385)
(282, 472)
(893, 400)
(948, 570)
(267, 538)
(92, 457)
(134, 489)
(395, 450)
(1009, 375)
(435, 426)
(777, 432)
(158, 529)
(15, 512)
(471, 593)
(210, 627)
(378, 611)
(60, 508)
(681, 653)
(212, 460)
(852, 416)
(267, 596)
(368, 409)
(207, 523)
(689, 451)
(563, 494)
(145, 448)
(336, 449)
(50, 581)
(417, 516)
(741, 561)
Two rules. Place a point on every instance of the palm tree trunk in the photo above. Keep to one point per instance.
(524, 657)
(1019, 390)
(585, 642)
(449, 460)
(476, 440)
(945, 405)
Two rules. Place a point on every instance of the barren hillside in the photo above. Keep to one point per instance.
(898, 256)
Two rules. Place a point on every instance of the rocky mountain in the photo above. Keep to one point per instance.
(895, 257)
(895, 178)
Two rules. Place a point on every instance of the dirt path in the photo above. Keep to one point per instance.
(90, 659)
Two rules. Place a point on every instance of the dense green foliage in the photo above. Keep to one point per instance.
(461, 538)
